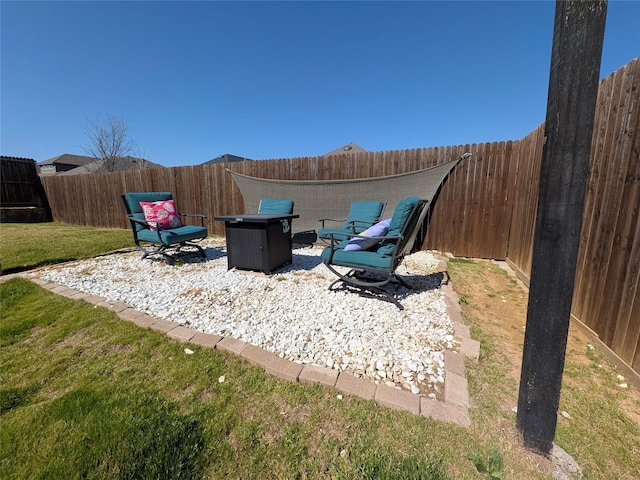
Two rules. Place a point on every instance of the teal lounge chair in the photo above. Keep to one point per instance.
(278, 206)
(362, 215)
(164, 233)
(373, 259)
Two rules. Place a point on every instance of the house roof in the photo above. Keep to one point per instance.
(226, 158)
(68, 159)
(121, 164)
(348, 148)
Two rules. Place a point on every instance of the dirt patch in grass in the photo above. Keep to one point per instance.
(631, 407)
(494, 305)
(500, 310)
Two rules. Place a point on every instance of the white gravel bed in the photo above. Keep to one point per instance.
(291, 313)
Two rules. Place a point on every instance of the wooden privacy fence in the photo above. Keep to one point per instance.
(22, 198)
(606, 294)
(20, 183)
(479, 186)
(486, 209)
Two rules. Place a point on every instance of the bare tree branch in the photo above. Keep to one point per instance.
(109, 141)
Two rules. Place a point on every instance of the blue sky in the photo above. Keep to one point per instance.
(267, 80)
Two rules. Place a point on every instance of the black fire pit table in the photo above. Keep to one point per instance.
(257, 241)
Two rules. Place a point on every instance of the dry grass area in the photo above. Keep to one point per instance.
(598, 422)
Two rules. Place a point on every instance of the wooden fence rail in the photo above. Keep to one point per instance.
(486, 209)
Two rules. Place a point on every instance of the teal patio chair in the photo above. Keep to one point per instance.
(280, 206)
(362, 215)
(373, 257)
(158, 227)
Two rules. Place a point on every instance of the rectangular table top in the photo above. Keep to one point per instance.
(255, 218)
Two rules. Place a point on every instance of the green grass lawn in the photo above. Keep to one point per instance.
(24, 246)
(84, 394)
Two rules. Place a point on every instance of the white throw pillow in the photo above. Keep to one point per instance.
(380, 229)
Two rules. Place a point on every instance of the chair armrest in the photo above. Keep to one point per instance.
(331, 220)
(359, 223)
(146, 224)
(197, 215)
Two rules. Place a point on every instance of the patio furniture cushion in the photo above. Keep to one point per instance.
(365, 212)
(364, 258)
(398, 221)
(174, 235)
(380, 229)
(362, 215)
(133, 200)
(164, 212)
(275, 206)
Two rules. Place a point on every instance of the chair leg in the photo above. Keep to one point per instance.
(159, 251)
(200, 250)
(170, 258)
(350, 279)
(393, 299)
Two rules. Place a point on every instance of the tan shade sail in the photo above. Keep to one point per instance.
(318, 199)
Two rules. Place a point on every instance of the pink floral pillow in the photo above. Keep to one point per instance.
(164, 212)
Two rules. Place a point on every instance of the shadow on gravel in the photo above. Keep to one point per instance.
(395, 292)
(212, 253)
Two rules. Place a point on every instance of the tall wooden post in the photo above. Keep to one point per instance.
(573, 86)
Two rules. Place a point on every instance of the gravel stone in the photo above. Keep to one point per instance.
(291, 313)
